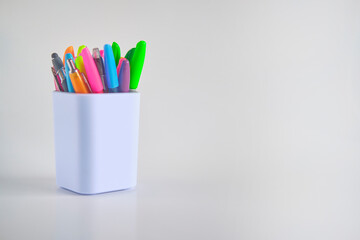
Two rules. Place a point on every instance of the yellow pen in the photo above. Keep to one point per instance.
(76, 79)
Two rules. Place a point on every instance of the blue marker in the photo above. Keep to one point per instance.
(110, 69)
(67, 70)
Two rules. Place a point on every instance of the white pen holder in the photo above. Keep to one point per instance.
(96, 141)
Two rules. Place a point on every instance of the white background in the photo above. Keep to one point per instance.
(249, 120)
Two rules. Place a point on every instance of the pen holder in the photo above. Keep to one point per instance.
(96, 141)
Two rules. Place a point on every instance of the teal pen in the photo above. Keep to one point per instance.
(67, 70)
(110, 69)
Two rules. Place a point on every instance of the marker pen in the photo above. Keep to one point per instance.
(112, 81)
(68, 50)
(137, 63)
(91, 72)
(116, 51)
(100, 66)
(80, 49)
(119, 65)
(60, 71)
(129, 54)
(124, 76)
(79, 64)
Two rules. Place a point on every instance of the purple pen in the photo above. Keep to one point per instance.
(124, 76)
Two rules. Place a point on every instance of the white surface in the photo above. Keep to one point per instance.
(249, 128)
(96, 141)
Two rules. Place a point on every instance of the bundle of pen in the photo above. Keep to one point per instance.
(105, 71)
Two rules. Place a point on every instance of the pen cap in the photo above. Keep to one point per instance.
(137, 63)
(79, 63)
(80, 49)
(68, 50)
(129, 54)
(110, 67)
(116, 52)
(124, 76)
(91, 71)
(119, 65)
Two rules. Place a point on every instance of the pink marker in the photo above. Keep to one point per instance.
(124, 76)
(102, 53)
(91, 71)
(119, 66)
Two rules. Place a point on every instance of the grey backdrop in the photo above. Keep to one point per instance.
(249, 120)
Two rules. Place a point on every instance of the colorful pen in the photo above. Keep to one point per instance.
(100, 66)
(67, 69)
(116, 51)
(112, 81)
(137, 63)
(119, 65)
(129, 54)
(124, 76)
(86, 81)
(68, 50)
(79, 64)
(60, 71)
(80, 49)
(91, 71)
(76, 79)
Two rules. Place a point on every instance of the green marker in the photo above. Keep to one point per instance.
(79, 63)
(129, 54)
(116, 50)
(136, 64)
(80, 49)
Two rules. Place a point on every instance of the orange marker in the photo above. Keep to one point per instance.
(76, 79)
(69, 50)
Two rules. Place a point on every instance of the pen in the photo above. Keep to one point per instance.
(137, 63)
(91, 71)
(116, 51)
(67, 69)
(129, 54)
(86, 81)
(119, 65)
(79, 64)
(68, 50)
(76, 79)
(100, 66)
(112, 81)
(80, 49)
(124, 76)
(59, 69)
(58, 86)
